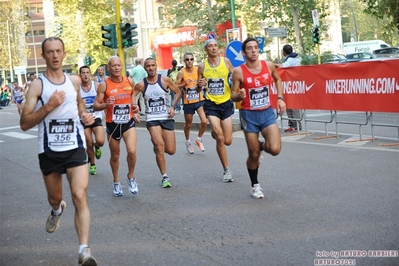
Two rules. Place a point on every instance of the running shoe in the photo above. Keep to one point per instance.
(118, 192)
(93, 170)
(97, 152)
(166, 182)
(256, 192)
(86, 259)
(132, 185)
(189, 148)
(54, 221)
(227, 176)
(200, 145)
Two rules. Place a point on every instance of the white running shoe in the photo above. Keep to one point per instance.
(228, 176)
(132, 185)
(118, 190)
(256, 192)
(189, 148)
(86, 259)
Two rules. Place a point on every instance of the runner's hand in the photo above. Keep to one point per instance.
(87, 118)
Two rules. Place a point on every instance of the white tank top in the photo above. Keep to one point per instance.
(89, 97)
(61, 129)
(156, 100)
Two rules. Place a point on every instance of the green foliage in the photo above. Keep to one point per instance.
(82, 21)
(383, 24)
(387, 13)
(19, 24)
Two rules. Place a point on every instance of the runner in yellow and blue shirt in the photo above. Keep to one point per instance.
(213, 75)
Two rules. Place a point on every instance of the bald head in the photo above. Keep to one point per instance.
(114, 59)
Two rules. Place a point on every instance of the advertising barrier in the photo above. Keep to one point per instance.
(371, 86)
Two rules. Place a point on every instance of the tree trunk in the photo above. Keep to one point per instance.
(298, 36)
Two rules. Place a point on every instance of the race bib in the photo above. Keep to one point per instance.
(157, 106)
(192, 94)
(215, 87)
(259, 98)
(121, 113)
(60, 132)
(90, 108)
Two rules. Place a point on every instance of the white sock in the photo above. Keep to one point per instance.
(57, 212)
(81, 247)
(165, 175)
(199, 139)
(188, 141)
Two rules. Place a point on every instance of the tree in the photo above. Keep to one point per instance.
(82, 21)
(296, 16)
(12, 13)
(388, 10)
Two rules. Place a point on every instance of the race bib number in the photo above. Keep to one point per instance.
(216, 87)
(259, 98)
(60, 132)
(90, 108)
(192, 94)
(157, 106)
(121, 113)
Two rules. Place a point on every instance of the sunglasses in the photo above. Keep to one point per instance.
(189, 59)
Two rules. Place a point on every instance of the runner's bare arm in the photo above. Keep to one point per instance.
(279, 85)
(237, 93)
(179, 80)
(99, 104)
(201, 80)
(135, 108)
(31, 118)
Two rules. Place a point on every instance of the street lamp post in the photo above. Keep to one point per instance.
(34, 43)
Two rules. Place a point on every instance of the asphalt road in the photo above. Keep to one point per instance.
(320, 196)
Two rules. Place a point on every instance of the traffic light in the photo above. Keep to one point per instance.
(58, 29)
(127, 33)
(316, 35)
(110, 37)
(88, 60)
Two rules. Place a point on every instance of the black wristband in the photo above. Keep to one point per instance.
(281, 98)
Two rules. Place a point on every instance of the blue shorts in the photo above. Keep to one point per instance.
(190, 108)
(168, 124)
(221, 111)
(19, 101)
(256, 121)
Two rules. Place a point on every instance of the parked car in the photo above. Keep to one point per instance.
(334, 58)
(387, 52)
(360, 56)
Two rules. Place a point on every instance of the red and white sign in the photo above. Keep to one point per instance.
(315, 16)
(362, 86)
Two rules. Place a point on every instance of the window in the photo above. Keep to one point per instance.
(160, 13)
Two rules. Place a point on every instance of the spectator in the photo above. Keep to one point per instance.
(138, 73)
(291, 59)
(172, 74)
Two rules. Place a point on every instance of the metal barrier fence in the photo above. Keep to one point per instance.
(336, 118)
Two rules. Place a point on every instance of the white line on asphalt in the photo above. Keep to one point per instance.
(19, 135)
(7, 128)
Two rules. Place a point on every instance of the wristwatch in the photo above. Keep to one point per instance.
(281, 98)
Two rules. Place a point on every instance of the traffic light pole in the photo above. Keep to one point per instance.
(318, 53)
(121, 54)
